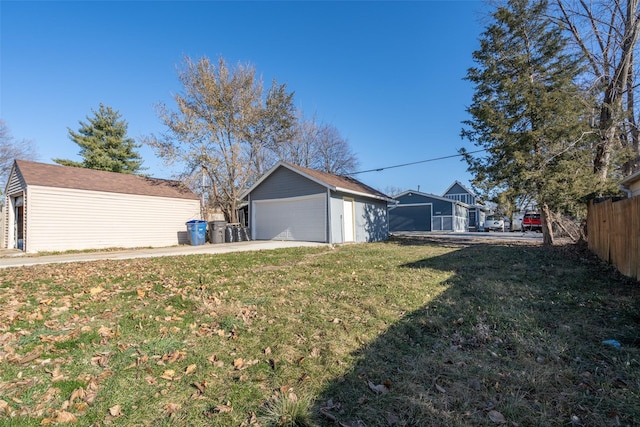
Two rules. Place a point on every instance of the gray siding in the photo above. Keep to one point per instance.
(371, 220)
(284, 183)
(460, 194)
(440, 207)
(457, 189)
(412, 198)
(422, 212)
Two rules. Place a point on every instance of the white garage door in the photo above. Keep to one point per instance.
(297, 218)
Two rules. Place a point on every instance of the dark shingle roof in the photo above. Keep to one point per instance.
(47, 175)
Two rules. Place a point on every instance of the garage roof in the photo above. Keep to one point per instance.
(48, 175)
(340, 183)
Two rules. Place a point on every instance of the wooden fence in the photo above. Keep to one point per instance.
(613, 233)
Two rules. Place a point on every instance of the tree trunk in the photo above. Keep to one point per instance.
(547, 229)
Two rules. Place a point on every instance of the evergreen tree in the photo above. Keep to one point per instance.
(529, 114)
(104, 144)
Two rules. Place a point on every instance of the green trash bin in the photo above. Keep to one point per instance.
(197, 231)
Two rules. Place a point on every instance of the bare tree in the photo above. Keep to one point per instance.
(275, 128)
(12, 149)
(332, 152)
(606, 31)
(220, 127)
(319, 146)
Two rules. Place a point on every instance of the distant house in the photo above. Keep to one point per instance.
(294, 203)
(416, 211)
(59, 208)
(460, 193)
(631, 184)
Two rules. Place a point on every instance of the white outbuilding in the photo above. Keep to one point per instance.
(59, 208)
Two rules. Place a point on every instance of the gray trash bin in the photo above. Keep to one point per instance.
(216, 231)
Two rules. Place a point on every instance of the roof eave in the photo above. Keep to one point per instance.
(359, 193)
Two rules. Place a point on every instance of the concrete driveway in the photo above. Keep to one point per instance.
(15, 258)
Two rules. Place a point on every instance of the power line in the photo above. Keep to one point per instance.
(418, 162)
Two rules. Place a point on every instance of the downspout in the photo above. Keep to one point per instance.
(250, 215)
(327, 228)
(626, 191)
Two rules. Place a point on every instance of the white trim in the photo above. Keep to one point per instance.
(410, 205)
(358, 193)
(350, 201)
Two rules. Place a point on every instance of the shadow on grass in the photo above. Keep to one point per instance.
(515, 339)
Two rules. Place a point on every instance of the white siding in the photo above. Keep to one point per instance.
(65, 219)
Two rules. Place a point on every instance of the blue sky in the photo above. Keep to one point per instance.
(388, 75)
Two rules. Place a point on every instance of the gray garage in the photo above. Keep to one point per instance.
(294, 203)
(416, 211)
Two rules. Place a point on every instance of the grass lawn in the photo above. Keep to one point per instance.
(401, 333)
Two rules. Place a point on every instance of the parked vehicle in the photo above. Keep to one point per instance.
(494, 222)
(532, 222)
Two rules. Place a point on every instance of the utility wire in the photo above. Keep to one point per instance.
(415, 163)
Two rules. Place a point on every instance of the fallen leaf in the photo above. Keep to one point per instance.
(78, 393)
(56, 375)
(497, 417)
(392, 419)
(285, 389)
(223, 408)
(380, 388)
(169, 374)
(190, 369)
(238, 363)
(101, 360)
(63, 417)
(29, 357)
(115, 411)
(176, 356)
(96, 290)
(172, 408)
(200, 386)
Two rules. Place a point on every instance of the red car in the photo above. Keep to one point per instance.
(532, 222)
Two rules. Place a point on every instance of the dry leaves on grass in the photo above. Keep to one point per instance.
(61, 417)
(172, 408)
(497, 417)
(378, 388)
